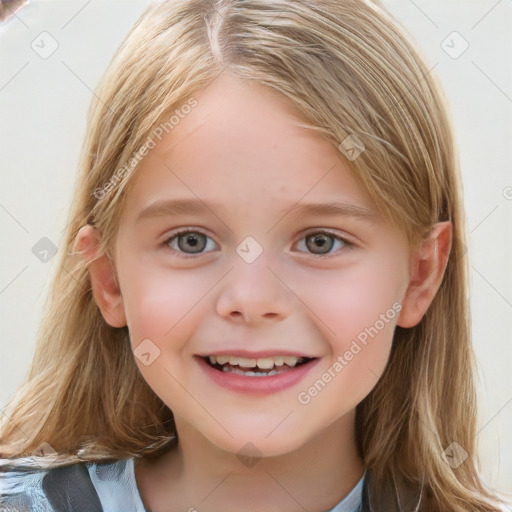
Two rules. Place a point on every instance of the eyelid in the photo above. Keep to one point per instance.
(326, 231)
(185, 229)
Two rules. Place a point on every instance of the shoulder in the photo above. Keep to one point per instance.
(86, 486)
(26, 486)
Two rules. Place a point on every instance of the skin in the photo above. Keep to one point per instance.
(241, 152)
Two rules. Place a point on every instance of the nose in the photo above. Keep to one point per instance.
(253, 293)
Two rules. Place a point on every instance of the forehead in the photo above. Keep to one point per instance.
(240, 107)
(244, 142)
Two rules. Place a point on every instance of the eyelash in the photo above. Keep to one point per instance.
(347, 244)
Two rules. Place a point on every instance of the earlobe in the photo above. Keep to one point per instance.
(428, 264)
(105, 288)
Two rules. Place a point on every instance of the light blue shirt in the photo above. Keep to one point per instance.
(114, 483)
(353, 501)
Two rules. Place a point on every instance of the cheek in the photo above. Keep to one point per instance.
(349, 300)
(162, 308)
(358, 309)
(159, 301)
(359, 350)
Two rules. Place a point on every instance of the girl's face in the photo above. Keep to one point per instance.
(247, 236)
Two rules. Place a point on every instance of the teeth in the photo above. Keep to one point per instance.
(243, 362)
(290, 360)
(249, 373)
(264, 363)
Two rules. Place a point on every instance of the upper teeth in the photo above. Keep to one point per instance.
(264, 363)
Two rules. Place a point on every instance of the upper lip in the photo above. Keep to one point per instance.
(261, 354)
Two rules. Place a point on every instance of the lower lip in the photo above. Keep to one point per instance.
(257, 385)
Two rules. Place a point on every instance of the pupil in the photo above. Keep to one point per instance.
(319, 241)
(194, 241)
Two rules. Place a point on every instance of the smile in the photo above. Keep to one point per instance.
(257, 376)
(261, 367)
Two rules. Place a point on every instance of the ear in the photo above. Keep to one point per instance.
(105, 288)
(428, 264)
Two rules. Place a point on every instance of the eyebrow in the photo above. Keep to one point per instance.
(175, 207)
(336, 208)
(196, 206)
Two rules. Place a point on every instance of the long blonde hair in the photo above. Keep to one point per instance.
(349, 69)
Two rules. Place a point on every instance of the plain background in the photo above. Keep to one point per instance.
(43, 104)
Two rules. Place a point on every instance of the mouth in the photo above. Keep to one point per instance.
(256, 373)
(252, 367)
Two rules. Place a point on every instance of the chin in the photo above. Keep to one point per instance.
(251, 442)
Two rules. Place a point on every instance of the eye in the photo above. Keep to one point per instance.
(322, 242)
(188, 241)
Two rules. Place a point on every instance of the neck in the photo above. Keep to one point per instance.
(315, 477)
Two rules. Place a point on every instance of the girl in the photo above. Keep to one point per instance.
(260, 303)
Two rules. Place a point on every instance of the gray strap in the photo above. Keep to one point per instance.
(69, 489)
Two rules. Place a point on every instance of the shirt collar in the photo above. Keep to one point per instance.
(354, 499)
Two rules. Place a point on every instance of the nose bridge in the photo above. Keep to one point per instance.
(252, 290)
(251, 263)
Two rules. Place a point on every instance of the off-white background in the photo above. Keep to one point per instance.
(43, 103)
